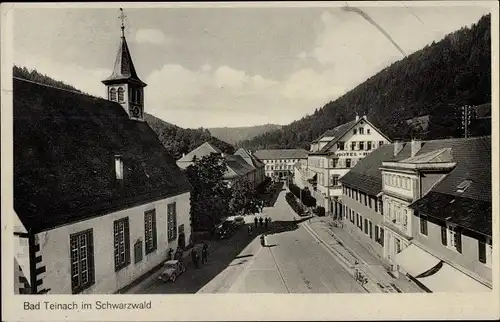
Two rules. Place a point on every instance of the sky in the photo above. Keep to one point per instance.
(215, 67)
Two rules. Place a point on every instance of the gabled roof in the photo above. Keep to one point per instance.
(64, 158)
(238, 166)
(249, 158)
(337, 132)
(201, 151)
(281, 154)
(341, 130)
(366, 174)
(472, 214)
(124, 69)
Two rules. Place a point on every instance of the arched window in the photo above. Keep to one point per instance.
(112, 94)
(139, 98)
(121, 97)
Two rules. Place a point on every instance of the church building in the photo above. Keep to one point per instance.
(98, 201)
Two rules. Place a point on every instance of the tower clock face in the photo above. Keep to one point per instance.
(136, 112)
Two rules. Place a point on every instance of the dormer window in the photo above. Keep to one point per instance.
(121, 96)
(112, 94)
(463, 186)
(119, 167)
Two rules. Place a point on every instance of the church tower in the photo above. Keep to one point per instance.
(124, 86)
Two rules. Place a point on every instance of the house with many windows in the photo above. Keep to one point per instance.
(429, 214)
(98, 201)
(279, 163)
(333, 155)
(363, 207)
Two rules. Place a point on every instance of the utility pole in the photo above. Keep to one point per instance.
(467, 116)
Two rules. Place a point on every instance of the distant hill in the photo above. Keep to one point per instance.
(235, 134)
(175, 139)
(178, 140)
(436, 80)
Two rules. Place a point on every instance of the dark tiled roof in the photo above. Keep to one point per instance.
(472, 214)
(337, 132)
(124, 67)
(64, 148)
(366, 174)
(238, 165)
(249, 158)
(473, 162)
(281, 154)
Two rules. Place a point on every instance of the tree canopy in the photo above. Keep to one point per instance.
(245, 200)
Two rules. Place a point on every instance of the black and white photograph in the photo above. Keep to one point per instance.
(248, 149)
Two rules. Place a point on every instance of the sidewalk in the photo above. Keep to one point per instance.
(349, 250)
(142, 283)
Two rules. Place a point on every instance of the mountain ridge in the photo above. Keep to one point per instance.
(235, 134)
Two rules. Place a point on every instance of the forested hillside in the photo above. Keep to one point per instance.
(235, 134)
(178, 140)
(436, 80)
(175, 139)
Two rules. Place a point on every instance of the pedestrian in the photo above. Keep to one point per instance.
(255, 220)
(266, 222)
(194, 257)
(261, 221)
(249, 230)
(204, 253)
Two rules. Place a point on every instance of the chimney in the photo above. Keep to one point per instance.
(416, 145)
(398, 146)
(357, 117)
(183, 155)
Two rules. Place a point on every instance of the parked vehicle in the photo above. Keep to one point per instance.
(239, 222)
(172, 269)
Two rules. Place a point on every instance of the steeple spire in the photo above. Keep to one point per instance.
(122, 18)
(124, 86)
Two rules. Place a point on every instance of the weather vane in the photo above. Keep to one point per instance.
(122, 18)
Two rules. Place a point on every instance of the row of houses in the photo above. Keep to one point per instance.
(425, 209)
(241, 164)
(422, 207)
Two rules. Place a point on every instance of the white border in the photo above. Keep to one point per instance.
(258, 306)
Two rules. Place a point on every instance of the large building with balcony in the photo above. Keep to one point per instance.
(430, 212)
(279, 164)
(333, 155)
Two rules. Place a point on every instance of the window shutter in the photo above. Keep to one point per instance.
(90, 248)
(443, 236)
(458, 240)
(175, 220)
(127, 241)
(154, 229)
(482, 251)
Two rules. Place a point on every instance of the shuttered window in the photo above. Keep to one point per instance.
(138, 251)
(371, 230)
(121, 243)
(423, 225)
(82, 260)
(150, 230)
(444, 240)
(171, 221)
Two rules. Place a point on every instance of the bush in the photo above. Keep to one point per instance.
(292, 201)
(321, 211)
(307, 198)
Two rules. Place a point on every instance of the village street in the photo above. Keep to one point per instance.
(294, 262)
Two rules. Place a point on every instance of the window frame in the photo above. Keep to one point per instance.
(424, 225)
(125, 232)
(90, 265)
(361, 145)
(454, 237)
(172, 221)
(150, 231)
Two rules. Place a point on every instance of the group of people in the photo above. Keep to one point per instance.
(263, 223)
(196, 257)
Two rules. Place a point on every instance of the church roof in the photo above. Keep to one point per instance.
(124, 69)
(64, 158)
